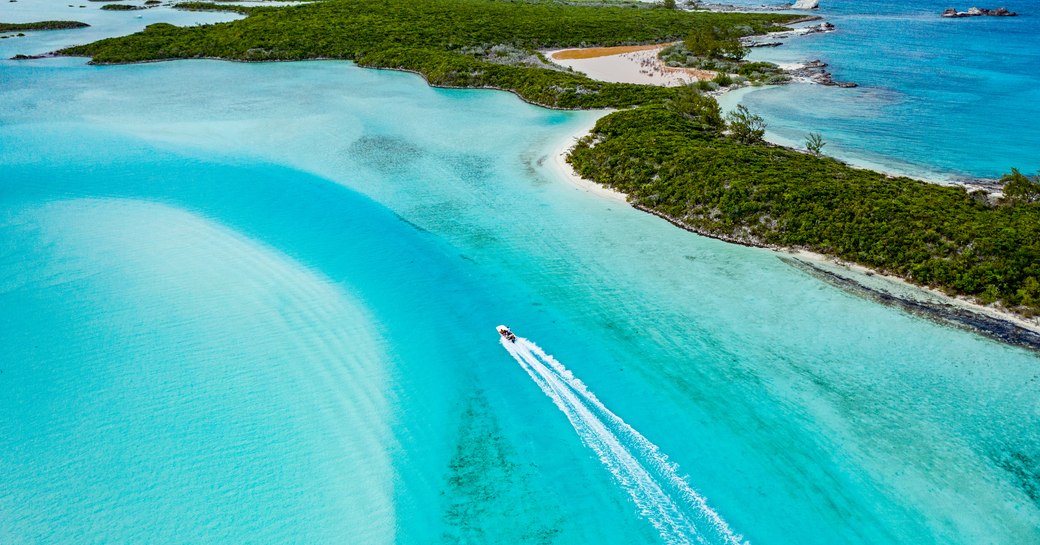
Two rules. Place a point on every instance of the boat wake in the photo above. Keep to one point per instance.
(664, 498)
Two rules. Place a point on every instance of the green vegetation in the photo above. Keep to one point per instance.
(701, 110)
(673, 153)
(120, 7)
(42, 25)
(715, 43)
(814, 143)
(745, 126)
(1019, 188)
(767, 195)
(757, 73)
(438, 38)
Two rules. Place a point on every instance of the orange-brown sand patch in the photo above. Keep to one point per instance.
(692, 72)
(593, 52)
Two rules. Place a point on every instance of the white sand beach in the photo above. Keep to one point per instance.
(566, 172)
(627, 64)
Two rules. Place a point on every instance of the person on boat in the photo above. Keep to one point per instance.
(505, 332)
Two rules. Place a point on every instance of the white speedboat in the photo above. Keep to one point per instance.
(504, 331)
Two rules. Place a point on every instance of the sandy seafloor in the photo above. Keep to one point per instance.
(255, 303)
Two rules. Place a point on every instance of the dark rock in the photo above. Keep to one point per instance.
(31, 57)
(815, 72)
(822, 27)
(976, 12)
(944, 313)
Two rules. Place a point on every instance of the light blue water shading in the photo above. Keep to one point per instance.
(255, 303)
(940, 98)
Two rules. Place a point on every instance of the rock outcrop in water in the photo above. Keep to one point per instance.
(976, 12)
(806, 4)
(815, 71)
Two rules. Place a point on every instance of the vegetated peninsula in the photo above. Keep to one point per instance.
(42, 25)
(669, 149)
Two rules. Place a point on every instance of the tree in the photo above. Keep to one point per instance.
(708, 41)
(1019, 188)
(745, 126)
(668, 4)
(814, 143)
(697, 107)
(1029, 293)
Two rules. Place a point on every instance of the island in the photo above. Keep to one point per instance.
(121, 7)
(42, 25)
(668, 149)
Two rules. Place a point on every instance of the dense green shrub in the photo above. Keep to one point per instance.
(700, 109)
(714, 42)
(745, 126)
(723, 79)
(756, 72)
(1019, 188)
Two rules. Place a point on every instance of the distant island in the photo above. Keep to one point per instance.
(668, 148)
(42, 25)
(976, 12)
(121, 7)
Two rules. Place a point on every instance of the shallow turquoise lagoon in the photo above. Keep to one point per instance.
(255, 304)
(940, 98)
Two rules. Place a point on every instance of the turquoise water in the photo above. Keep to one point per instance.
(255, 303)
(939, 98)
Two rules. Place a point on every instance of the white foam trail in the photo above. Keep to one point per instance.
(664, 498)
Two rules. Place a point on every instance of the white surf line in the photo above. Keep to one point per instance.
(663, 497)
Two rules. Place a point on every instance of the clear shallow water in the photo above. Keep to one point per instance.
(939, 98)
(259, 301)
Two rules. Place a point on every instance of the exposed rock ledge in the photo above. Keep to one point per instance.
(806, 4)
(815, 72)
(947, 313)
(976, 12)
(752, 41)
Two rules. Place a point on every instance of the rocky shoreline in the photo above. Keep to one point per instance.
(709, 6)
(815, 71)
(753, 41)
(944, 313)
(953, 313)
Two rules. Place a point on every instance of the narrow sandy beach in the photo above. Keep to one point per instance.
(566, 172)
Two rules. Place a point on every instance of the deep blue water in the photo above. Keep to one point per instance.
(938, 98)
(255, 303)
